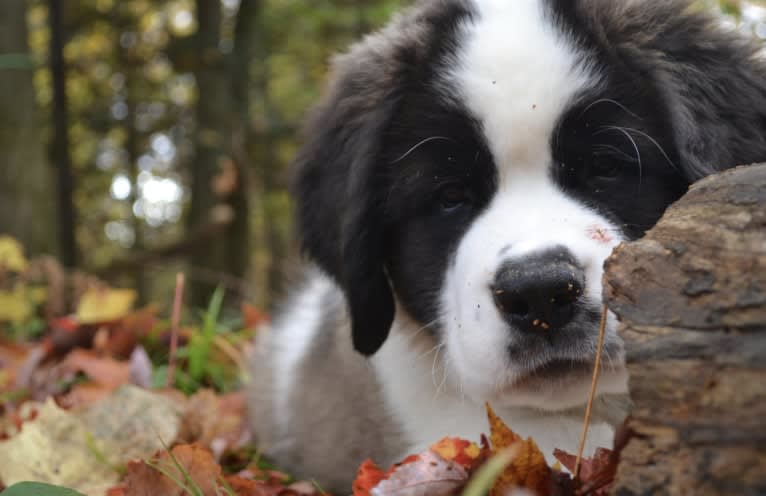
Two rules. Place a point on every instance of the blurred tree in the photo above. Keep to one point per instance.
(219, 189)
(26, 185)
(60, 151)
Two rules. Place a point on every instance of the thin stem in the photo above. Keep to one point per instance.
(591, 397)
(177, 299)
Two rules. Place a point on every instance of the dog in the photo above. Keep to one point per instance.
(464, 177)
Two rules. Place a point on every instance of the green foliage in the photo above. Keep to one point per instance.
(38, 489)
(199, 347)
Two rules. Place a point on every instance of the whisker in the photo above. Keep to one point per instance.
(433, 366)
(655, 143)
(423, 328)
(425, 354)
(443, 384)
(614, 102)
(418, 145)
(635, 146)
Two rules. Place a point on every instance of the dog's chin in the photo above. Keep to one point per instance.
(559, 385)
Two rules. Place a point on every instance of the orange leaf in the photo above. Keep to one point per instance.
(463, 452)
(369, 476)
(528, 469)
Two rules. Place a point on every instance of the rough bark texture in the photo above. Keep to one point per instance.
(691, 297)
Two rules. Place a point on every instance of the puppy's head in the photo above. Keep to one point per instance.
(474, 163)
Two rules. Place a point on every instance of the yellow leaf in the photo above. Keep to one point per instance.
(12, 254)
(103, 305)
(528, 469)
(16, 305)
(81, 448)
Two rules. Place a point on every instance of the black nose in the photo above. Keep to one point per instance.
(540, 291)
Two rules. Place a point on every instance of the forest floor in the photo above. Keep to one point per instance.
(100, 397)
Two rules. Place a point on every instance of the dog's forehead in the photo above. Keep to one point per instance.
(517, 72)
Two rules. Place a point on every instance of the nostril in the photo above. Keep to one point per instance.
(511, 304)
(519, 308)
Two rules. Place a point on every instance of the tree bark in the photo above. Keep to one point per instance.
(691, 298)
(26, 189)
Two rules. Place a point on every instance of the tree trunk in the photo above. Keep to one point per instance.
(691, 297)
(26, 209)
(60, 150)
(219, 175)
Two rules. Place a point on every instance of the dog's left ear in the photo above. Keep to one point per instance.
(712, 79)
(340, 186)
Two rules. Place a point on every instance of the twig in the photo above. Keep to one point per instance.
(594, 382)
(177, 299)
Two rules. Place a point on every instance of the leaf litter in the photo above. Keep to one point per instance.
(77, 410)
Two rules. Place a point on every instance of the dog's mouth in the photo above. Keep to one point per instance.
(557, 372)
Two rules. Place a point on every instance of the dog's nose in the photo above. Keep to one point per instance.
(540, 291)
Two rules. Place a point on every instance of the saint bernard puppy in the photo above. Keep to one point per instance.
(462, 181)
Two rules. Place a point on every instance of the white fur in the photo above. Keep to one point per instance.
(430, 405)
(296, 333)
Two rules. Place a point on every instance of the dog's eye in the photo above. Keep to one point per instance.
(453, 197)
(605, 167)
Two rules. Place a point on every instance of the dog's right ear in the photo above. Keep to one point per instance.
(340, 189)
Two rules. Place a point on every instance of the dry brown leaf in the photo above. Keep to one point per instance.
(102, 370)
(528, 469)
(198, 464)
(249, 487)
(216, 422)
(84, 395)
(596, 473)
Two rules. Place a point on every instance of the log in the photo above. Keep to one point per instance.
(691, 300)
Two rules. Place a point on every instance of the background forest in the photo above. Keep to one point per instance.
(139, 138)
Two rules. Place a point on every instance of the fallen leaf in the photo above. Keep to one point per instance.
(12, 357)
(104, 305)
(368, 476)
(428, 475)
(133, 423)
(527, 470)
(217, 422)
(102, 370)
(56, 448)
(12, 255)
(129, 330)
(38, 489)
(463, 452)
(17, 304)
(596, 473)
(249, 487)
(162, 474)
(83, 395)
